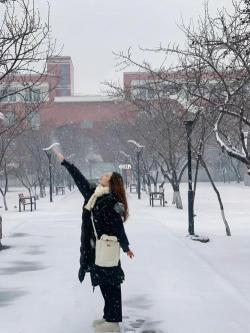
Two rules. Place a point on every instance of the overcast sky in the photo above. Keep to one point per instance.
(91, 29)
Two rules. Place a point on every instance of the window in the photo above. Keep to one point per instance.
(36, 95)
(3, 97)
(20, 93)
(151, 93)
(34, 120)
(139, 92)
(27, 95)
(12, 96)
(9, 118)
(143, 92)
(63, 75)
(32, 95)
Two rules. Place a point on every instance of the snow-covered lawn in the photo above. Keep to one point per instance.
(173, 285)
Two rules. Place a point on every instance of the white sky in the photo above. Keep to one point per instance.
(91, 29)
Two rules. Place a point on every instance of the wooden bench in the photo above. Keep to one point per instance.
(27, 200)
(159, 195)
(133, 187)
(60, 189)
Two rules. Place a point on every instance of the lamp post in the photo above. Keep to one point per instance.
(189, 127)
(49, 155)
(2, 118)
(246, 141)
(126, 170)
(138, 154)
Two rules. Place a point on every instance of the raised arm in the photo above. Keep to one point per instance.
(81, 182)
(119, 227)
(121, 235)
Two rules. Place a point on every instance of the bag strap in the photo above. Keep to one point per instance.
(96, 236)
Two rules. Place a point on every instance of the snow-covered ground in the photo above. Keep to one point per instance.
(173, 285)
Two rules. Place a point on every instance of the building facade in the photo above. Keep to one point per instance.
(58, 105)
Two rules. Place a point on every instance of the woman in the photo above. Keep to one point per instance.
(108, 205)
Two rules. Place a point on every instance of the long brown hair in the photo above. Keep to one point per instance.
(116, 185)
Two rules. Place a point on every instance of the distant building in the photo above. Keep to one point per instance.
(61, 106)
(89, 112)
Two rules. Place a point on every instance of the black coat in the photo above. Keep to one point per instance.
(107, 219)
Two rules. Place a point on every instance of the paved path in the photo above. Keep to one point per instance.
(169, 287)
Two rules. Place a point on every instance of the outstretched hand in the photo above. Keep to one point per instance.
(81, 274)
(130, 254)
(59, 155)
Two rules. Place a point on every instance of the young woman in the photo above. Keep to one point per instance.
(108, 205)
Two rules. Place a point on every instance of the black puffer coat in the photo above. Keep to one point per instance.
(107, 219)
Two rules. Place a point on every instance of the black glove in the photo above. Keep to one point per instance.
(81, 274)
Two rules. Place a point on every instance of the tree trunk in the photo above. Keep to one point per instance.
(41, 187)
(7, 184)
(236, 172)
(4, 199)
(5, 202)
(196, 174)
(223, 174)
(144, 182)
(174, 199)
(5, 187)
(148, 184)
(177, 197)
(176, 187)
(228, 231)
(154, 181)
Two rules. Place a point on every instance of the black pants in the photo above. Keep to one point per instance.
(113, 302)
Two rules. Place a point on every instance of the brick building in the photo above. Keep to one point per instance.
(61, 106)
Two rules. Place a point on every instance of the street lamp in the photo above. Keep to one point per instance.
(189, 127)
(2, 118)
(138, 153)
(49, 155)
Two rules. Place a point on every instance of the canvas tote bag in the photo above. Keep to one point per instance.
(107, 250)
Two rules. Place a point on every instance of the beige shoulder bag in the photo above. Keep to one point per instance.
(107, 249)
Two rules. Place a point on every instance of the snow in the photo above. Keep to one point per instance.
(173, 285)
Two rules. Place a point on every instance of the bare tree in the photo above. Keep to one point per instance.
(25, 45)
(159, 124)
(215, 67)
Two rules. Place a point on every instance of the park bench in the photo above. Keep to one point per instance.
(60, 189)
(27, 200)
(133, 187)
(157, 195)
